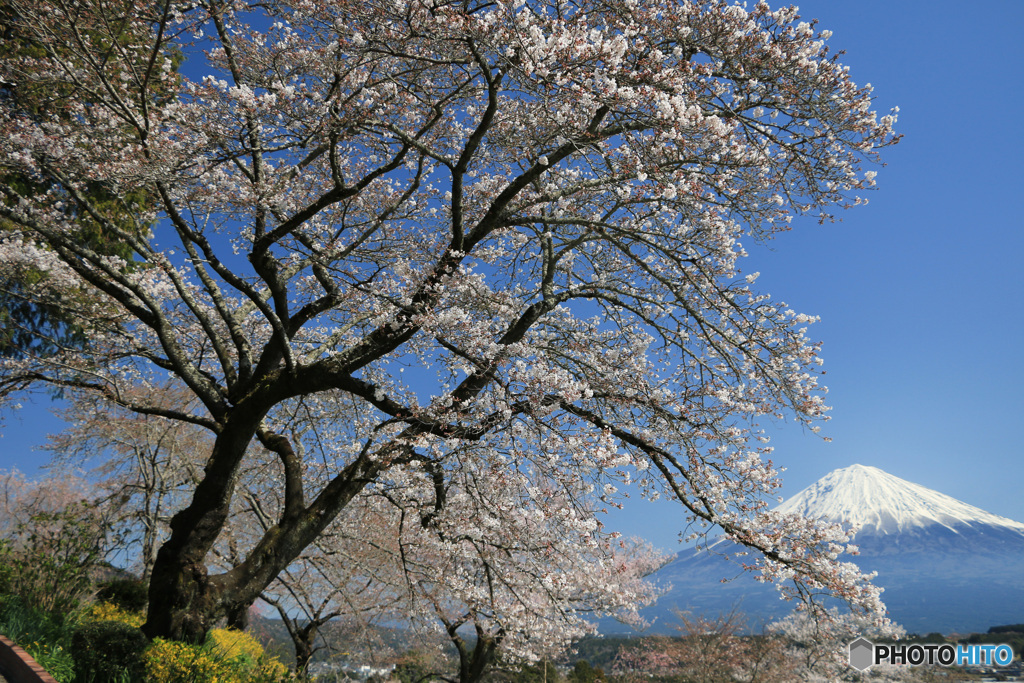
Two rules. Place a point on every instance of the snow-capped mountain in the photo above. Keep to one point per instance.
(945, 565)
(895, 515)
(880, 503)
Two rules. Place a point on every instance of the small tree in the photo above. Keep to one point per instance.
(417, 666)
(510, 570)
(583, 672)
(820, 646)
(52, 541)
(144, 465)
(711, 650)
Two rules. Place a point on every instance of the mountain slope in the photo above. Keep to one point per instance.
(892, 512)
(946, 565)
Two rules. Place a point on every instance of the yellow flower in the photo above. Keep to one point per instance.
(105, 611)
(227, 657)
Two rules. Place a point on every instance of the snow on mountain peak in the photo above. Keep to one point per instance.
(879, 503)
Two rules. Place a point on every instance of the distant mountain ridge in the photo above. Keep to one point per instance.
(945, 565)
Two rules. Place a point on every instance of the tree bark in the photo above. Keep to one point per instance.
(183, 601)
(304, 649)
(238, 617)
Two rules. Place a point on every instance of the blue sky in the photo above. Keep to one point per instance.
(919, 292)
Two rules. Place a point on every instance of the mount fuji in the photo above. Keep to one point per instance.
(945, 565)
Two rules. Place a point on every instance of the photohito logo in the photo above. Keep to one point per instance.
(865, 654)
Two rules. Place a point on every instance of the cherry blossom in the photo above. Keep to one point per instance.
(502, 239)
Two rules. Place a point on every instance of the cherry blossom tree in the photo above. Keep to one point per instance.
(52, 539)
(147, 465)
(536, 208)
(508, 564)
(711, 650)
(22, 497)
(504, 563)
(820, 646)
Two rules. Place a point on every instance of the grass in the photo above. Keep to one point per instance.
(47, 639)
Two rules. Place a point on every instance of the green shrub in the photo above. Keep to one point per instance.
(48, 560)
(25, 624)
(130, 595)
(108, 651)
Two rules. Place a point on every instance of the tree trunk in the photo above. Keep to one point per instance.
(304, 650)
(473, 663)
(180, 605)
(238, 617)
(184, 602)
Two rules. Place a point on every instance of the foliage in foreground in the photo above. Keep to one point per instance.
(52, 539)
(44, 636)
(107, 650)
(226, 657)
(102, 643)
